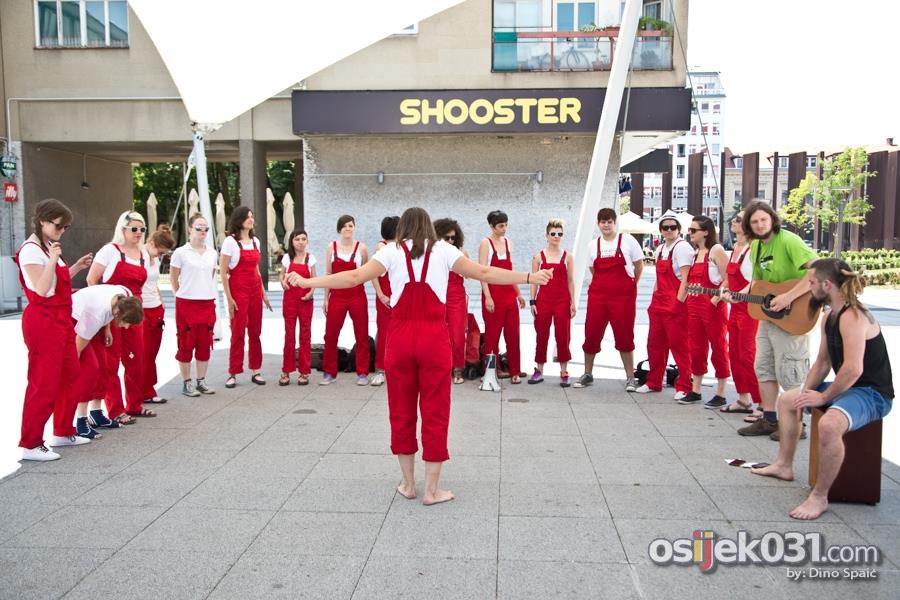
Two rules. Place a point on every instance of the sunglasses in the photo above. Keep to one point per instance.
(555, 234)
(693, 230)
(449, 238)
(136, 229)
(737, 220)
(60, 226)
(200, 228)
(668, 227)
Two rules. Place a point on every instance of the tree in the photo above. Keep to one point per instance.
(798, 210)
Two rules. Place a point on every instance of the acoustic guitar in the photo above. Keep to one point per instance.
(796, 319)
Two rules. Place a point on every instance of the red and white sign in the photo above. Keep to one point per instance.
(10, 191)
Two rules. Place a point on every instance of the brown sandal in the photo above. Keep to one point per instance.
(125, 419)
(458, 376)
(144, 413)
(303, 379)
(285, 379)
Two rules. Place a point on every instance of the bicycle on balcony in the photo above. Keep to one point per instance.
(570, 60)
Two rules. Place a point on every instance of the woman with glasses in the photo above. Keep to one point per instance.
(616, 263)
(742, 327)
(158, 246)
(500, 304)
(382, 287)
(47, 329)
(297, 308)
(457, 299)
(245, 294)
(553, 303)
(124, 262)
(707, 315)
(418, 353)
(193, 277)
(668, 313)
(346, 254)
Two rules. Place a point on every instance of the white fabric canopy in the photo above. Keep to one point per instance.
(631, 223)
(226, 58)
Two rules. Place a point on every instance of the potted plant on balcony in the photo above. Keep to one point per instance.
(600, 61)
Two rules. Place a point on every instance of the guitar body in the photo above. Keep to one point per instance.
(795, 319)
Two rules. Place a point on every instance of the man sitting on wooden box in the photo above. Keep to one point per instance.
(862, 390)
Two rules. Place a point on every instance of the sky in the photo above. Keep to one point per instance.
(801, 74)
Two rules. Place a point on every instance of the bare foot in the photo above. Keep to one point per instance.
(407, 491)
(437, 497)
(812, 508)
(785, 473)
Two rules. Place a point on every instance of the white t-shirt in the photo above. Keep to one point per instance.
(231, 249)
(150, 292)
(197, 279)
(286, 261)
(31, 253)
(746, 264)
(682, 255)
(631, 250)
(443, 256)
(713, 270)
(92, 308)
(108, 256)
(346, 255)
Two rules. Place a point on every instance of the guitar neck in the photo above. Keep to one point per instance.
(740, 297)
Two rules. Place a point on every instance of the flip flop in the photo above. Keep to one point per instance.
(737, 408)
(125, 419)
(144, 413)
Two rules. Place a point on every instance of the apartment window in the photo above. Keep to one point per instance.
(81, 23)
(679, 172)
(782, 162)
(737, 196)
(716, 108)
(739, 162)
(653, 9)
(681, 150)
(572, 16)
(705, 129)
(715, 148)
(679, 192)
(715, 129)
(704, 106)
(705, 170)
(810, 162)
(693, 130)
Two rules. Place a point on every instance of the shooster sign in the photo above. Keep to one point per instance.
(483, 111)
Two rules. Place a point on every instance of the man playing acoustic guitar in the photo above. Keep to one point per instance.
(782, 359)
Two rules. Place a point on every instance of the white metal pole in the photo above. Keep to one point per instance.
(203, 185)
(606, 131)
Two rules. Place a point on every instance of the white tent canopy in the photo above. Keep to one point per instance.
(632, 223)
(226, 58)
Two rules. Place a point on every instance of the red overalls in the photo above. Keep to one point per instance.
(340, 303)
(195, 321)
(553, 304)
(92, 381)
(245, 284)
(707, 324)
(294, 308)
(382, 320)
(127, 346)
(742, 335)
(52, 360)
(505, 317)
(153, 324)
(668, 326)
(612, 300)
(418, 368)
(457, 318)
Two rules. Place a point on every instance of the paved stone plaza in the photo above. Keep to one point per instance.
(288, 492)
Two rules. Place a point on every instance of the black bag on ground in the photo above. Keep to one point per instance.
(315, 360)
(671, 375)
(351, 360)
(641, 372)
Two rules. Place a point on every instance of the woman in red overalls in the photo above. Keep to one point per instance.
(47, 330)
(417, 359)
(741, 326)
(346, 254)
(499, 302)
(245, 294)
(616, 263)
(382, 287)
(297, 306)
(553, 303)
(124, 262)
(457, 299)
(707, 316)
(159, 245)
(667, 311)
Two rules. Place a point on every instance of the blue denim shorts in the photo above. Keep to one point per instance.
(861, 405)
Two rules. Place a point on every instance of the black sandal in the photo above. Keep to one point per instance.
(231, 382)
(258, 379)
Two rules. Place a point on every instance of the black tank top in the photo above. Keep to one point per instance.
(876, 363)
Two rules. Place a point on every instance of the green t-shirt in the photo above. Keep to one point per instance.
(780, 259)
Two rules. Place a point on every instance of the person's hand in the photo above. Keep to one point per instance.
(325, 307)
(107, 339)
(779, 303)
(682, 295)
(521, 301)
(308, 296)
(541, 277)
(284, 285)
(266, 302)
(54, 250)
(84, 262)
(385, 299)
(726, 296)
(533, 310)
(489, 304)
(572, 310)
(232, 307)
(808, 399)
(714, 300)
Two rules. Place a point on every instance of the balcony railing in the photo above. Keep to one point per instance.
(542, 51)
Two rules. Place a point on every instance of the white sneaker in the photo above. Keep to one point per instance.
(679, 396)
(67, 440)
(631, 385)
(327, 379)
(644, 390)
(362, 380)
(377, 379)
(41, 454)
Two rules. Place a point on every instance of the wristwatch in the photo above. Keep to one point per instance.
(532, 302)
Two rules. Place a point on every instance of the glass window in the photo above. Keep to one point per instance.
(118, 24)
(95, 21)
(705, 129)
(653, 9)
(717, 107)
(704, 106)
(705, 170)
(715, 148)
(739, 162)
(810, 162)
(679, 171)
(782, 162)
(681, 149)
(71, 23)
(47, 25)
(565, 16)
(81, 23)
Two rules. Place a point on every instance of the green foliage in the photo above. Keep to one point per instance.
(624, 204)
(653, 24)
(847, 169)
(798, 210)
